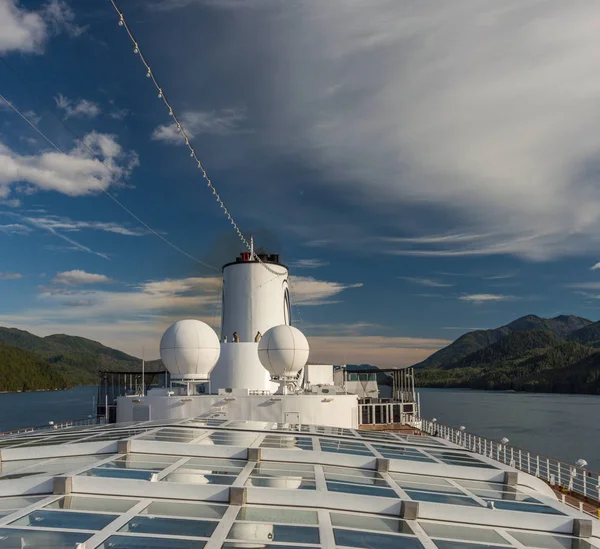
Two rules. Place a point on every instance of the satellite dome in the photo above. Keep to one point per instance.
(190, 349)
(283, 350)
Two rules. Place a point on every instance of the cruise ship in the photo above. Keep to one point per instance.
(250, 445)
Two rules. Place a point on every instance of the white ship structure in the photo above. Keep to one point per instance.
(248, 446)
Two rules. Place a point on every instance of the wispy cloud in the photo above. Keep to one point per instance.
(10, 276)
(306, 290)
(221, 123)
(595, 267)
(309, 263)
(483, 298)
(425, 282)
(15, 228)
(78, 277)
(80, 108)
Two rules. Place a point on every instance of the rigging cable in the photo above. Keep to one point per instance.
(161, 95)
(113, 198)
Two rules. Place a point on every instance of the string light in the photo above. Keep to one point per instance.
(149, 74)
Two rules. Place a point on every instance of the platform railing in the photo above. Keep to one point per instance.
(51, 425)
(568, 477)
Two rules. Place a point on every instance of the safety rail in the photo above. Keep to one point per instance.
(569, 478)
(95, 420)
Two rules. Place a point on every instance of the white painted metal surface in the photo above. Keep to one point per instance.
(189, 349)
(254, 299)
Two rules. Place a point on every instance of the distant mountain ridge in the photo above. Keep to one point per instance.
(559, 354)
(468, 343)
(77, 360)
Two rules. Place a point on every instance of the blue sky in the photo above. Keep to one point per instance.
(424, 170)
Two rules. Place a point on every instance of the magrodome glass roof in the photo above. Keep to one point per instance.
(195, 483)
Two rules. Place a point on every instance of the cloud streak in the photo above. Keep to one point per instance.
(428, 282)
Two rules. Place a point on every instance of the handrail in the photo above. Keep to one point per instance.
(570, 478)
(96, 420)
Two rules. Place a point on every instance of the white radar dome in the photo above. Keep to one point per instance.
(283, 350)
(190, 349)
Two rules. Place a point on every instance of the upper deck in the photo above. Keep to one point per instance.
(217, 483)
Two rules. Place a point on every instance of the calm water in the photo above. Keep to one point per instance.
(565, 427)
(32, 409)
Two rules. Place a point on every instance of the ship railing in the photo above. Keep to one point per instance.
(568, 478)
(51, 425)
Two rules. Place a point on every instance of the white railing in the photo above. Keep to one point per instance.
(569, 477)
(97, 420)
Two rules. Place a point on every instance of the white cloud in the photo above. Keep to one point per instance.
(306, 290)
(77, 277)
(482, 298)
(425, 282)
(595, 267)
(10, 276)
(586, 285)
(223, 122)
(26, 31)
(74, 173)
(309, 264)
(82, 108)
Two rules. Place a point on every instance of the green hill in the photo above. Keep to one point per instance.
(24, 371)
(471, 342)
(590, 335)
(550, 358)
(77, 358)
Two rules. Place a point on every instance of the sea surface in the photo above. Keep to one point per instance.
(565, 427)
(33, 409)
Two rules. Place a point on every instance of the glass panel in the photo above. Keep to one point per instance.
(549, 541)
(192, 476)
(170, 526)
(142, 461)
(285, 469)
(365, 522)
(462, 545)
(361, 489)
(58, 519)
(132, 542)
(32, 539)
(19, 502)
(369, 540)
(119, 473)
(179, 509)
(274, 441)
(84, 503)
(214, 466)
(441, 498)
(287, 482)
(437, 530)
(255, 531)
(526, 507)
(271, 514)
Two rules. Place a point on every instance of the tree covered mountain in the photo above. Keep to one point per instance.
(76, 359)
(562, 326)
(529, 354)
(24, 371)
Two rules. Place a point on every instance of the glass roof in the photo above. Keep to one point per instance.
(304, 486)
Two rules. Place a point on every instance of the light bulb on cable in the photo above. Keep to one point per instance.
(159, 93)
(149, 73)
(121, 22)
(136, 49)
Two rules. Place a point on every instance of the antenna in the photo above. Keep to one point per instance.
(251, 247)
(143, 378)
